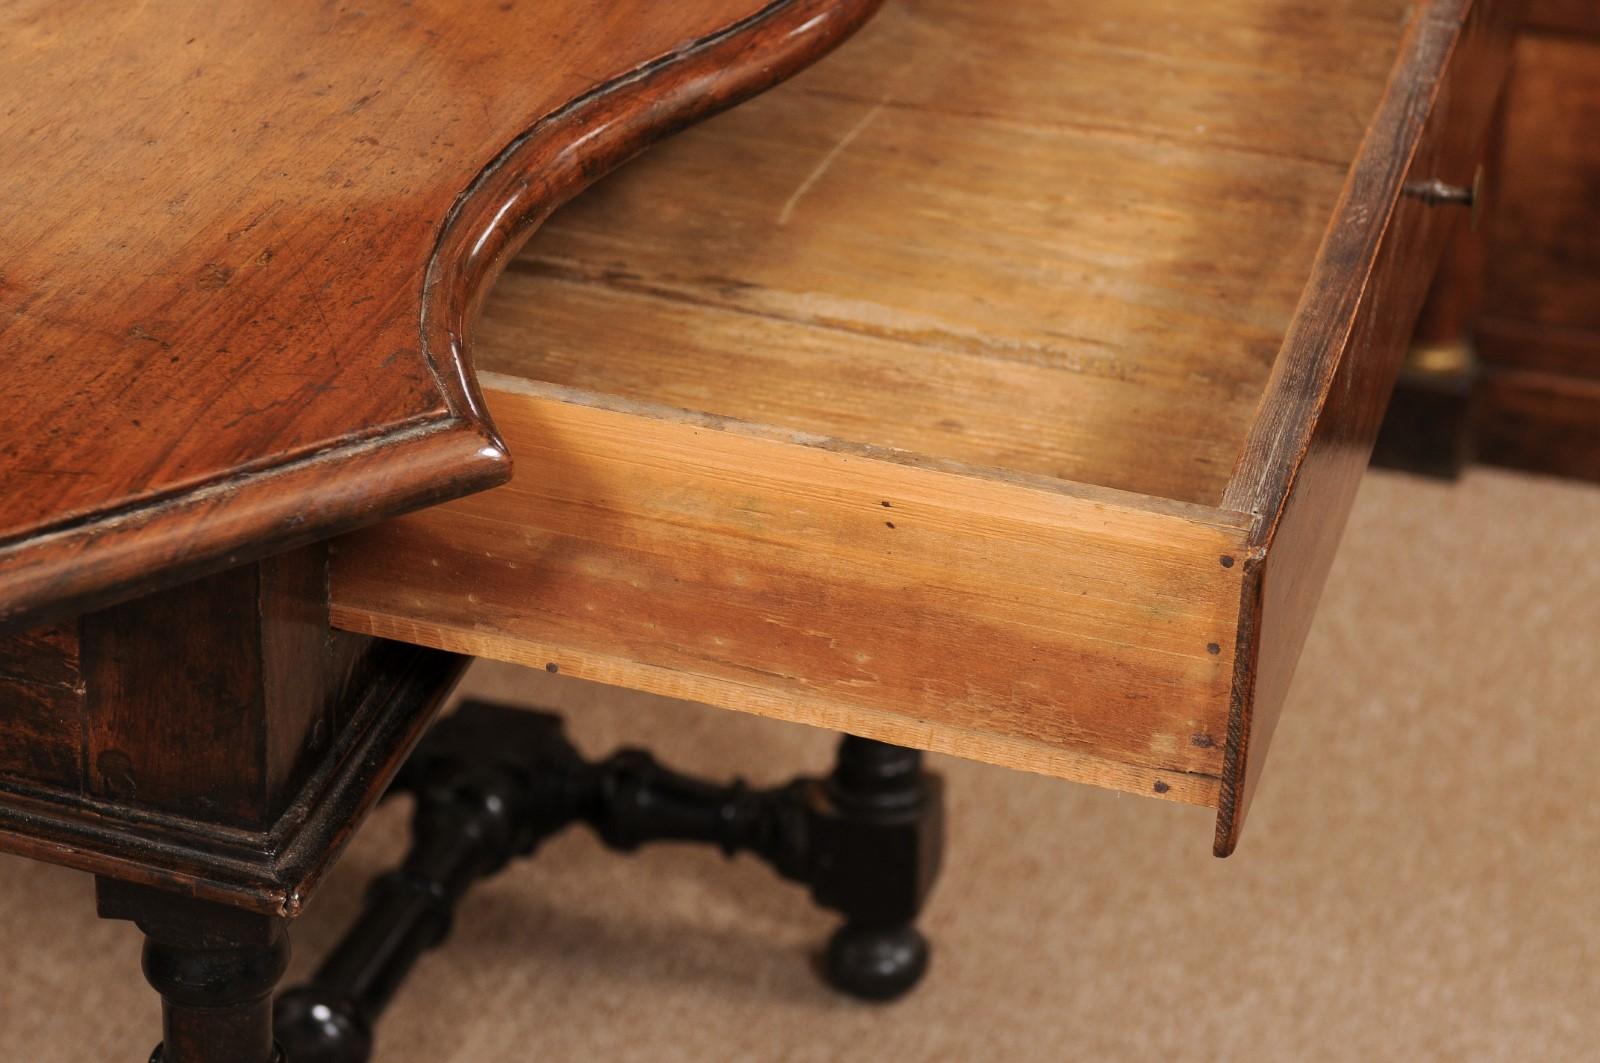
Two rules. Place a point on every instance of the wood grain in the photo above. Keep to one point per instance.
(223, 725)
(1320, 415)
(1065, 238)
(164, 801)
(217, 739)
(1520, 292)
(242, 246)
(1034, 627)
(273, 872)
(42, 695)
(1541, 315)
(722, 380)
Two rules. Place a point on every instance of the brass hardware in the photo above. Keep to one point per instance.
(1428, 428)
(1436, 193)
(1441, 360)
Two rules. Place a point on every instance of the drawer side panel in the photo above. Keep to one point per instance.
(996, 621)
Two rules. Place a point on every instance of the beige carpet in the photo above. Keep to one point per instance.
(1418, 880)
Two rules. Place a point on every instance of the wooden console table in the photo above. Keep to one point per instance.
(999, 387)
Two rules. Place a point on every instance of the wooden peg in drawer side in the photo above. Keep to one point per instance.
(1014, 622)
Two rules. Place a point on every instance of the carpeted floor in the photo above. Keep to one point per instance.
(1418, 880)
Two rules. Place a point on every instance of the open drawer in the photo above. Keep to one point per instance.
(998, 387)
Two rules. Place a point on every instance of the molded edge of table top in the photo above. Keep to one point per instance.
(278, 501)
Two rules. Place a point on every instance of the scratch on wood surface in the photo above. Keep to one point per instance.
(827, 160)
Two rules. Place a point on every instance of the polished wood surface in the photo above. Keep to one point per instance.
(241, 246)
(1564, 16)
(215, 738)
(42, 689)
(1121, 363)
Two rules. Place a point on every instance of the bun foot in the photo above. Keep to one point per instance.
(875, 963)
(313, 1030)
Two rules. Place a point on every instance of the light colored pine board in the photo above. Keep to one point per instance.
(1060, 238)
(1038, 629)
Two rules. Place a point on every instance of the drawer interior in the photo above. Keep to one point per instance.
(1061, 238)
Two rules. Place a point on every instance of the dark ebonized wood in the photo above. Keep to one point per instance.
(215, 967)
(492, 783)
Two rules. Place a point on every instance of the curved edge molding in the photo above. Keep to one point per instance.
(278, 504)
(574, 147)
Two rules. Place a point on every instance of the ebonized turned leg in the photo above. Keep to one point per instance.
(491, 783)
(886, 813)
(215, 968)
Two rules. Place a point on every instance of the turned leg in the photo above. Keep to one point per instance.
(215, 968)
(492, 783)
(884, 832)
(867, 840)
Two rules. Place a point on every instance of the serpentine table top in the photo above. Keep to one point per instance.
(243, 242)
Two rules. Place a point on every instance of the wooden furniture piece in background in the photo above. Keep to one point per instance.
(1507, 371)
(241, 245)
(1538, 336)
(1009, 403)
